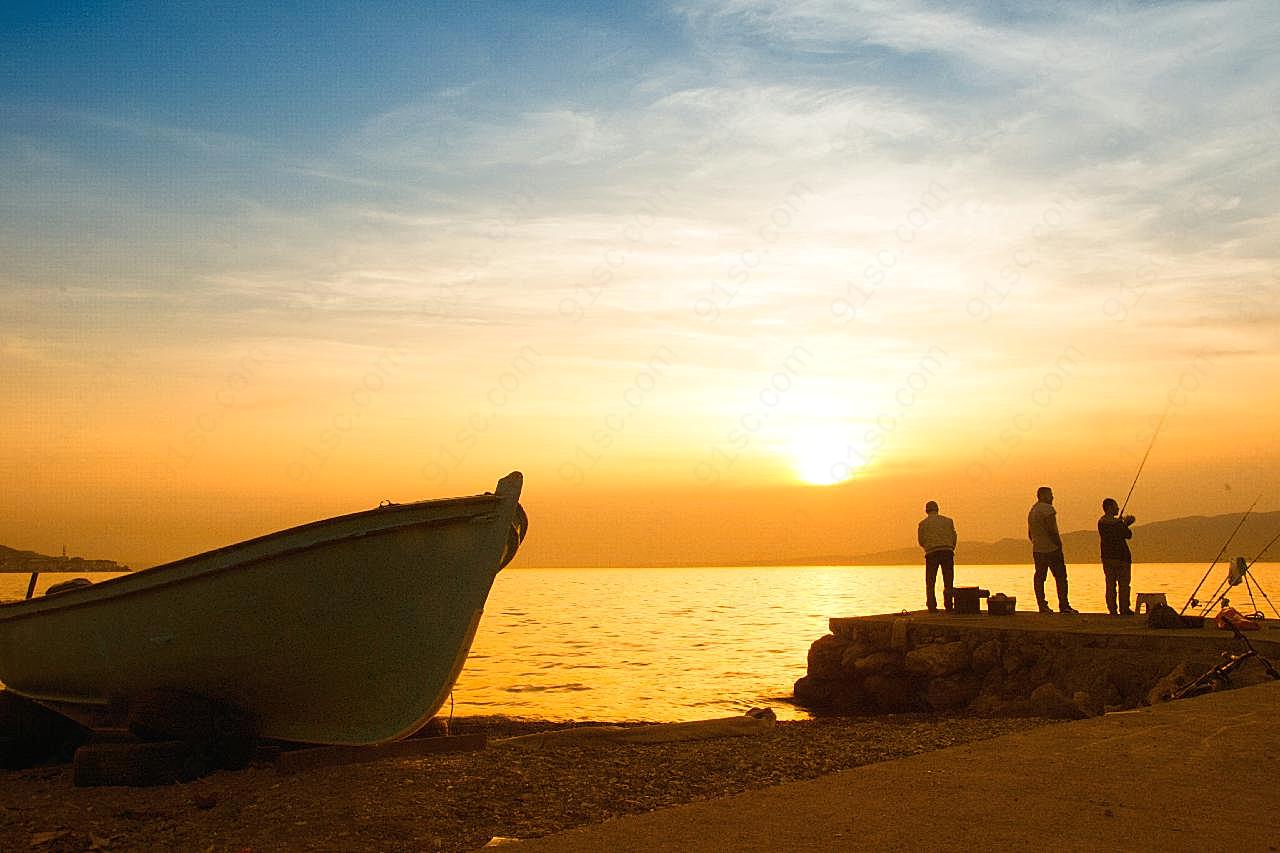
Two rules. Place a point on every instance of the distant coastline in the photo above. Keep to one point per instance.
(13, 560)
(1191, 539)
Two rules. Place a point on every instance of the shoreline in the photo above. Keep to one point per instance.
(458, 801)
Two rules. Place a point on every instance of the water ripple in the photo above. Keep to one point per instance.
(670, 644)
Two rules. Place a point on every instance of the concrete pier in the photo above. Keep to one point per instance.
(1051, 665)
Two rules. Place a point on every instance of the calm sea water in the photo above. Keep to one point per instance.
(685, 644)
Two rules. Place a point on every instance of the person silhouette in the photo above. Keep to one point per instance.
(1046, 550)
(1117, 561)
(937, 536)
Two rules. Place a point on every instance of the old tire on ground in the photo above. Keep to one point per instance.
(226, 735)
(31, 734)
(138, 763)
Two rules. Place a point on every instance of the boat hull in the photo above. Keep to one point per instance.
(349, 631)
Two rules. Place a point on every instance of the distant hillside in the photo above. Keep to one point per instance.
(1194, 539)
(13, 560)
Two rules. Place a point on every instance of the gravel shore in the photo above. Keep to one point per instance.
(458, 801)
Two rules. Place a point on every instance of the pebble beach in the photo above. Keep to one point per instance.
(455, 801)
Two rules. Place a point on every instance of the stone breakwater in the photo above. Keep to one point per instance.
(1052, 666)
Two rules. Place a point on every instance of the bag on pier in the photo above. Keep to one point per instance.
(1163, 616)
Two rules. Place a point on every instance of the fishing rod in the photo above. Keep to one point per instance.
(1265, 549)
(1265, 597)
(1143, 463)
(1221, 551)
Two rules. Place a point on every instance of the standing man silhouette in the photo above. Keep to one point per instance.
(1117, 562)
(1046, 550)
(937, 536)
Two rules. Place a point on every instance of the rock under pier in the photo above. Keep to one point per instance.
(1021, 664)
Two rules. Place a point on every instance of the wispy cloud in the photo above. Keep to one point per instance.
(857, 178)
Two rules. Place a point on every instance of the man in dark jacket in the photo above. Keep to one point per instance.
(1117, 563)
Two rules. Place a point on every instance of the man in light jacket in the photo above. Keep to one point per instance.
(1046, 551)
(937, 536)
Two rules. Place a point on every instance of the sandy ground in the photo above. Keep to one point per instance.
(1195, 774)
(458, 801)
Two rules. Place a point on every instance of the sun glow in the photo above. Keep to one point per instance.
(822, 458)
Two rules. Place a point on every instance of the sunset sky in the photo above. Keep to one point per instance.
(725, 279)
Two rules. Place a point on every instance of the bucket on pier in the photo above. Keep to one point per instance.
(1001, 604)
(967, 598)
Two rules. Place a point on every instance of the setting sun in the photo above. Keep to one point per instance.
(822, 459)
(221, 315)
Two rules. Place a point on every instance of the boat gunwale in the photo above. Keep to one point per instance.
(146, 581)
(492, 515)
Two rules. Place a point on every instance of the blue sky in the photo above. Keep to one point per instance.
(732, 188)
(300, 73)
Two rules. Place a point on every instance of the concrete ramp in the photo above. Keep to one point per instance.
(1194, 774)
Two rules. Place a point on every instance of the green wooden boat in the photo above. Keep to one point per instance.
(350, 630)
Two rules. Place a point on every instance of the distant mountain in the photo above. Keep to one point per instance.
(13, 560)
(1193, 539)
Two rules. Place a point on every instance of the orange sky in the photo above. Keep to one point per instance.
(725, 280)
